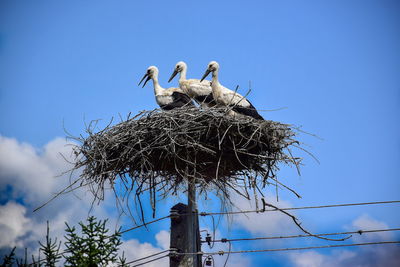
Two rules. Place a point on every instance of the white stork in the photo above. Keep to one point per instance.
(169, 98)
(198, 90)
(226, 97)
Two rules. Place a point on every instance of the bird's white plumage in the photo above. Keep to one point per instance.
(164, 96)
(195, 88)
(164, 99)
(226, 97)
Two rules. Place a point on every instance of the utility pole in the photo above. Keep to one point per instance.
(185, 233)
(193, 225)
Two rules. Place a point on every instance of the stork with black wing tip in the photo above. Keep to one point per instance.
(169, 98)
(198, 90)
(228, 98)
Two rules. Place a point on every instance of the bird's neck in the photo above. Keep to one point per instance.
(215, 78)
(182, 76)
(215, 85)
(157, 88)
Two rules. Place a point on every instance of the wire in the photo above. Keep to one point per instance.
(150, 260)
(298, 208)
(145, 224)
(36, 262)
(155, 254)
(258, 211)
(288, 249)
(344, 205)
(224, 240)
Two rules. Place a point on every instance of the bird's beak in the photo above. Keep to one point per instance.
(173, 75)
(142, 79)
(148, 78)
(205, 75)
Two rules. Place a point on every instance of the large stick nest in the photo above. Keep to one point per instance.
(160, 151)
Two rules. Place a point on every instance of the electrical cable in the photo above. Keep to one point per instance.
(299, 208)
(224, 240)
(159, 258)
(145, 224)
(289, 249)
(155, 254)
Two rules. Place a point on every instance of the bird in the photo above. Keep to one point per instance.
(169, 98)
(200, 91)
(228, 98)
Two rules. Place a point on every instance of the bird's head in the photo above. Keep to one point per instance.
(211, 67)
(179, 67)
(151, 73)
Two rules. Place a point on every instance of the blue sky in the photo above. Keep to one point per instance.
(333, 65)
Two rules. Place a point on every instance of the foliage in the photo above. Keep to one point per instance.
(50, 250)
(94, 247)
(9, 259)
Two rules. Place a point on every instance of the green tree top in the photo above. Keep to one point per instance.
(94, 247)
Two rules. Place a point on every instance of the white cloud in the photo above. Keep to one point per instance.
(32, 176)
(163, 239)
(13, 224)
(314, 259)
(308, 259)
(24, 169)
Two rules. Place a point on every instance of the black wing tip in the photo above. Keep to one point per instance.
(180, 100)
(208, 99)
(250, 111)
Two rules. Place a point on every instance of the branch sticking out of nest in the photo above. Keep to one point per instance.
(158, 151)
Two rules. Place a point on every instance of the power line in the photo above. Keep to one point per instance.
(156, 259)
(150, 256)
(155, 254)
(344, 205)
(145, 224)
(260, 211)
(299, 208)
(224, 240)
(289, 249)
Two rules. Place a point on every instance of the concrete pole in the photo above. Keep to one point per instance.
(192, 223)
(179, 235)
(185, 233)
